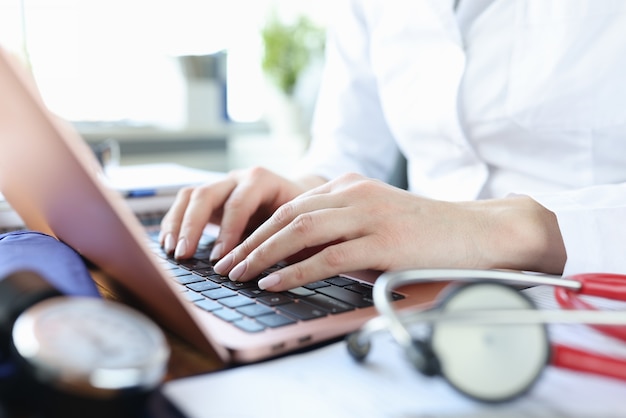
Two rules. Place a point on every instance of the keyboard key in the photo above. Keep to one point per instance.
(347, 296)
(218, 278)
(274, 299)
(203, 254)
(206, 272)
(240, 285)
(168, 266)
(249, 325)
(170, 258)
(340, 281)
(254, 310)
(219, 293)
(203, 285)
(227, 315)
(203, 251)
(303, 311)
(193, 264)
(192, 296)
(300, 292)
(254, 292)
(190, 278)
(208, 305)
(236, 301)
(270, 270)
(364, 289)
(179, 272)
(328, 304)
(275, 320)
(367, 289)
(316, 285)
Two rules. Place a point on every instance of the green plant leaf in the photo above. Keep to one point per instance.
(289, 49)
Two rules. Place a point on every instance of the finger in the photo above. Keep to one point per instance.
(170, 224)
(311, 230)
(203, 201)
(241, 204)
(286, 215)
(335, 259)
(281, 217)
(321, 198)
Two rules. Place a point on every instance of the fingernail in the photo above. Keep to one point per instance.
(222, 266)
(268, 281)
(169, 244)
(216, 252)
(238, 271)
(181, 248)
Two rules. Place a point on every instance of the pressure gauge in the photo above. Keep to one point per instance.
(91, 349)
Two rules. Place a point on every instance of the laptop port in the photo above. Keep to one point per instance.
(278, 347)
(304, 340)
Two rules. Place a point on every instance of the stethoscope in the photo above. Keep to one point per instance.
(485, 337)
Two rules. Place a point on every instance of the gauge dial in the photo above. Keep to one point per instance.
(91, 345)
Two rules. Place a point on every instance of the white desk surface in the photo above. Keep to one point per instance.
(328, 383)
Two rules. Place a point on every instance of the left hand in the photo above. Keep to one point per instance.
(355, 223)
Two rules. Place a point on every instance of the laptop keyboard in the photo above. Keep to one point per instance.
(252, 309)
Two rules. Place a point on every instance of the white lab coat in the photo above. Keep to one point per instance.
(527, 97)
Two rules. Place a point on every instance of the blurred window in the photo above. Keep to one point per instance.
(114, 60)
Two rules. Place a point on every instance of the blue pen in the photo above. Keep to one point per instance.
(141, 193)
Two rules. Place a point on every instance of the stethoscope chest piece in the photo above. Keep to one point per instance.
(491, 361)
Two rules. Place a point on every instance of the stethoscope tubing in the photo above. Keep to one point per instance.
(395, 324)
(495, 317)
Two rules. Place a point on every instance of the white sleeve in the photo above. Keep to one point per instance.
(349, 131)
(593, 226)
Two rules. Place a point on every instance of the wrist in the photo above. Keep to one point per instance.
(520, 234)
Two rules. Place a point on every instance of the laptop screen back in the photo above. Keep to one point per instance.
(52, 180)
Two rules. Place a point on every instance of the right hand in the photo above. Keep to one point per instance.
(238, 204)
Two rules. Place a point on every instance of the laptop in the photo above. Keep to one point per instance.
(52, 179)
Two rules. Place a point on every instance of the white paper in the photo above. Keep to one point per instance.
(157, 178)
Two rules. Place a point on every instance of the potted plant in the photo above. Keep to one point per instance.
(288, 51)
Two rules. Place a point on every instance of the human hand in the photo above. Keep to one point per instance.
(356, 223)
(241, 201)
